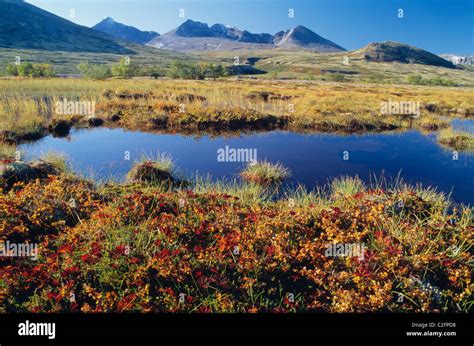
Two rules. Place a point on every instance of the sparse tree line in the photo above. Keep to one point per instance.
(200, 71)
(126, 69)
(28, 69)
(123, 69)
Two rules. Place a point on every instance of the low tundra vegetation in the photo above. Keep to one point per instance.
(458, 140)
(232, 247)
(419, 80)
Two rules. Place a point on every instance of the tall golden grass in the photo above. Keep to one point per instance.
(25, 104)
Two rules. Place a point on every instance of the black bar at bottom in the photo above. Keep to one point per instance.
(245, 329)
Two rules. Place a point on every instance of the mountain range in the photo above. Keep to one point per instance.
(197, 36)
(459, 60)
(124, 32)
(193, 35)
(24, 26)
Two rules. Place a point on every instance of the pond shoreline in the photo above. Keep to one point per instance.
(100, 152)
(224, 106)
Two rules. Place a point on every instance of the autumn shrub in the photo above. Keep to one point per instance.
(145, 249)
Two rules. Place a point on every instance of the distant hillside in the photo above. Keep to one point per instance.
(302, 37)
(197, 36)
(24, 26)
(403, 53)
(125, 32)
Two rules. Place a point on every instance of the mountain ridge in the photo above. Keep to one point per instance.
(459, 59)
(303, 37)
(124, 32)
(218, 36)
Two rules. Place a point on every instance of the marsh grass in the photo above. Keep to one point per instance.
(161, 161)
(7, 151)
(302, 197)
(458, 140)
(265, 173)
(28, 105)
(431, 122)
(346, 186)
(59, 160)
(21, 114)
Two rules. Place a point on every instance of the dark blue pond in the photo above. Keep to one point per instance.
(313, 159)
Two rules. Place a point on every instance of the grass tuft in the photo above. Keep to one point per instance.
(152, 170)
(346, 186)
(265, 173)
(58, 160)
(163, 162)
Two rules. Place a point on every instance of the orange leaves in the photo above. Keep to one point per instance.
(39, 208)
(141, 251)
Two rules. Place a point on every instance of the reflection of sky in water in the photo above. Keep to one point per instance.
(313, 159)
(466, 125)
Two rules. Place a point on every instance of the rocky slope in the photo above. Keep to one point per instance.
(403, 53)
(192, 35)
(124, 32)
(24, 26)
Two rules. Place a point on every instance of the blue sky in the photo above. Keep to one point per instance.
(440, 26)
